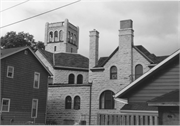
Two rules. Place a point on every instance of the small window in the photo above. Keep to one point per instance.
(113, 72)
(34, 109)
(10, 71)
(71, 50)
(106, 100)
(68, 102)
(25, 52)
(76, 102)
(54, 48)
(79, 79)
(71, 79)
(138, 71)
(36, 80)
(5, 105)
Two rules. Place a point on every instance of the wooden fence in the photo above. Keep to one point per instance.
(126, 119)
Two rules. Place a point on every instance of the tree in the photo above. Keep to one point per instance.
(12, 39)
(40, 45)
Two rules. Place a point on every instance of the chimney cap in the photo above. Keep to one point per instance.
(126, 24)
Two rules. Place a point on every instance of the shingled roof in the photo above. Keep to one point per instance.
(66, 59)
(150, 57)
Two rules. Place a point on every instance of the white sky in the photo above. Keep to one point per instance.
(155, 23)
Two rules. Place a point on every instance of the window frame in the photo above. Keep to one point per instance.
(9, 100)
(79, 76)
(103, 103)
(61, 35)
(69, 79)
(136, 76)
(68, 105)
(36, 108)
(77, 105)
(35, 80)
(113, 73)
(9, 71)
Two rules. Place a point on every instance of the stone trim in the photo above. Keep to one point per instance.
(71, 68)
(69, 85)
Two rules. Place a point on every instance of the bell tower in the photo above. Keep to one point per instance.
(61, 37)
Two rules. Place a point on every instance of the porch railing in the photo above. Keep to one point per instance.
(126, 119)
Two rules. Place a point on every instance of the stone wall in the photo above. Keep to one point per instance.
(61, 76)
(56, 104)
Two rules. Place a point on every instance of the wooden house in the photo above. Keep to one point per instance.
(24, 86)
(153, 92)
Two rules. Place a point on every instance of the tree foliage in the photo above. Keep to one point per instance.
(13, 39)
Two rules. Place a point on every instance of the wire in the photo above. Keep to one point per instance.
(14, 6)
(40, 14)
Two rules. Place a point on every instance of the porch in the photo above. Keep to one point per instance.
(126, 119)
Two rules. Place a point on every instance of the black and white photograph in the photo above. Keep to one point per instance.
(89, 62)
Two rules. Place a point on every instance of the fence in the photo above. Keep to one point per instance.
(126, 119)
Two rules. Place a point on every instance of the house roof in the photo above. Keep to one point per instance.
(143, 51)
(138, 106)
(11, 51)
(147, 74)
(69, 60)
(167, 99)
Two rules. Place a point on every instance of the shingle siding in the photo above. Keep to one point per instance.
(20, 88)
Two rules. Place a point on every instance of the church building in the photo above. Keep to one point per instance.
(82, 87)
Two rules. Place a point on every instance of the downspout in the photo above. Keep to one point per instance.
(90, 103)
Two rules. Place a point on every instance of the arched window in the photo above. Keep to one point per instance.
(71, 79)
(76, 102)
(51, 36)
(56, 36)
(68, 36)
(71, 37)
(61, 35)
(74, 39)
(113, 72)
(138, 71)
(68, 102)
(79, 79)
(106, 100)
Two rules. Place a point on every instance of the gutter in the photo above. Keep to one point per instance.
(90, 104)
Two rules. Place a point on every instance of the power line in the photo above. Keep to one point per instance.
(14, 6)
(40, 14)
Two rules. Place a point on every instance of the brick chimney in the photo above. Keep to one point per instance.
(93, 48)
(125, 49)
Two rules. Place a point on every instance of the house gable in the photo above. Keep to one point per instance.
(159, 80)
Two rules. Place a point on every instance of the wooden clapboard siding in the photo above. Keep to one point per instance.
(20, 88)
(164, 80)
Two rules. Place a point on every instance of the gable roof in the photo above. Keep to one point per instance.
(11, 51)
(143, 51)
(167, 99)
(147, 74)
(69, 60)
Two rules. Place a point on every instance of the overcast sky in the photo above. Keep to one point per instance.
(155, 23)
